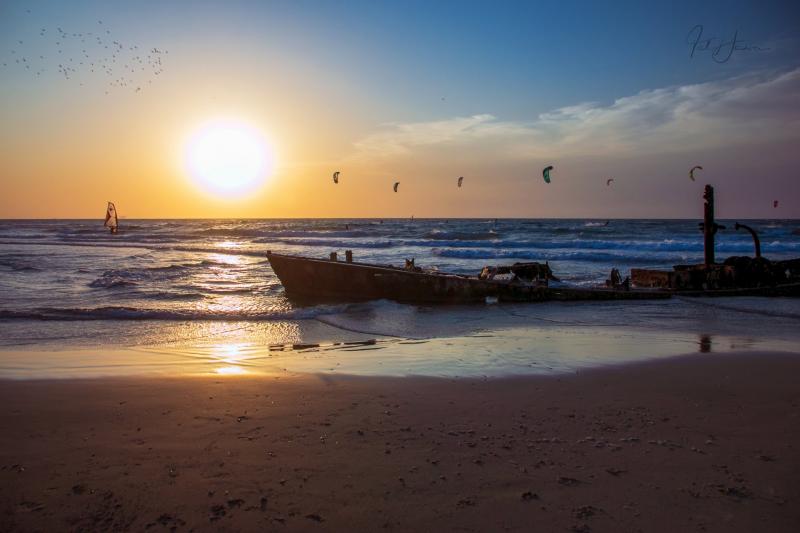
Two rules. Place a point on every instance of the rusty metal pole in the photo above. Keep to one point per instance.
(709, 226)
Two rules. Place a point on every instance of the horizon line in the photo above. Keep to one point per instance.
(393, 218)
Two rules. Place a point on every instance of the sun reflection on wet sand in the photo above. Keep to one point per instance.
(230, 371)
(235, 357)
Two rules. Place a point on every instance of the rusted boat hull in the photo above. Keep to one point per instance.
(725, 279)
(320, 279)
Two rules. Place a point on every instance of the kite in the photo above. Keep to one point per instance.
(396, 183)
(775, 203)
(546, 173)
(460, 180)
(691, 172)
(608, 181)
(336, 177)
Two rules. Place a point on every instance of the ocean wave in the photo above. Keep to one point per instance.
(265, 233)
(599, 257)
(666, 245)
(230, 291)
(18, 266)
(294, 234)
(214, 250)
(128, 277)
(685, 244)
(231, 232)
(172, 296)
(336, 243)
(643, 246)
(111, 279)
(137, 313)
(442, 235)
(111, 282)
(145, 246)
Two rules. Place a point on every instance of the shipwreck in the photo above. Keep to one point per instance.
(734, 276)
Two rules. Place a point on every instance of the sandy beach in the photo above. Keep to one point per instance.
(399, 266)
(695, 443)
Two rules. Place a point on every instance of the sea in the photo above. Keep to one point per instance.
(182, 295)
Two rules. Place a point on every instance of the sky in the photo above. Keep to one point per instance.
(111, 95)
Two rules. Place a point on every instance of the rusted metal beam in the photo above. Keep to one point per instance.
(756, 240)
(708, 225)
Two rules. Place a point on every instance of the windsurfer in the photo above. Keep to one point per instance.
(112, 222)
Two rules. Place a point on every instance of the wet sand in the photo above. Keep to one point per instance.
(697, 443)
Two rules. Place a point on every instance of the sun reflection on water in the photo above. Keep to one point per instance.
(228, 304)
(228, 259)
(230, 287)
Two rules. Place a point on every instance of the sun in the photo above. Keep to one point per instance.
(228, 157)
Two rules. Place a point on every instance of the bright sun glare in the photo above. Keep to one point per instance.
(228, 158)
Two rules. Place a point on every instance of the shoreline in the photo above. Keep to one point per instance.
(532, 346)
(694, 443)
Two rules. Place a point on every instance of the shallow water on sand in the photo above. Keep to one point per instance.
(372, 339)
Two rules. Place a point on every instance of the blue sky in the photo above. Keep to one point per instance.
(510, 58)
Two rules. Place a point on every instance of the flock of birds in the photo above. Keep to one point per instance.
(546, 176)
(78, 56)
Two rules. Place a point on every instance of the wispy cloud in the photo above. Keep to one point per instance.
(754, 108)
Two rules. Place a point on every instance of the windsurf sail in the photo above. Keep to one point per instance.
(111, 217)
